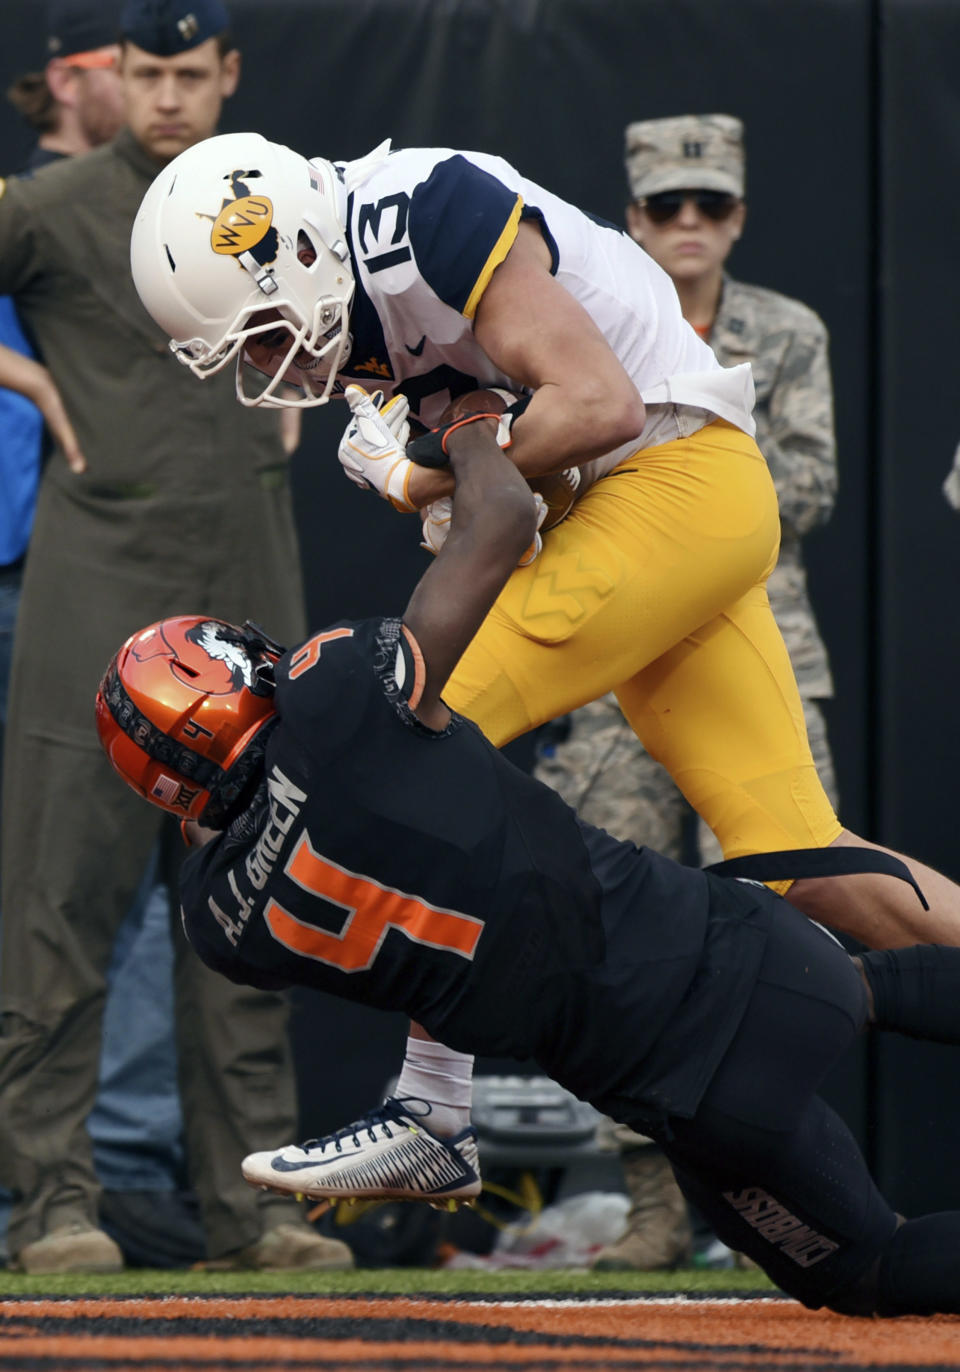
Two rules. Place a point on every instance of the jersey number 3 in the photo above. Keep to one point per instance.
(371, 911)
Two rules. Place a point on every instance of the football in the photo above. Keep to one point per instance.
(477, 402)
(559, 489)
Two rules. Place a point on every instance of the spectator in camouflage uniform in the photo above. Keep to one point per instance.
(686, 178)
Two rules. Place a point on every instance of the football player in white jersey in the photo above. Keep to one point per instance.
(428, 273)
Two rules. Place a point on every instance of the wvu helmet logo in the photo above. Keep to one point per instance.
(241, 225)
(244, 223)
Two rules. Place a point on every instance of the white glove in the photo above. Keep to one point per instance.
(533, 552)
(372, 450)
(436, 523)
(396, 414)
(436, 526)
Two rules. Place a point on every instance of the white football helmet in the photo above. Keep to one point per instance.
(240, 239)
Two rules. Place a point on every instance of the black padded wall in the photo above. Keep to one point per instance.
(917, 744)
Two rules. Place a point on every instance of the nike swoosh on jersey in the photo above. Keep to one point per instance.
(282, 1164)
(415, 352)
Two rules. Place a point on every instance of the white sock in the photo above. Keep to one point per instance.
(443, 1078)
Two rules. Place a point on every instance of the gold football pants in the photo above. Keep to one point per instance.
(654, 586)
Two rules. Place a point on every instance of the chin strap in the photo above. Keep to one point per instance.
(264, 276)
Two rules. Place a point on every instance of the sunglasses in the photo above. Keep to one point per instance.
(716, 205)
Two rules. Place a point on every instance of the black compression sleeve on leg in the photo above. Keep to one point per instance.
(920, 1270)
(916, 991)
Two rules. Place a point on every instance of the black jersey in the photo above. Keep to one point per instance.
(420, 871)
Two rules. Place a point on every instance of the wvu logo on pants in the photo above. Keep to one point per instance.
(566, 589)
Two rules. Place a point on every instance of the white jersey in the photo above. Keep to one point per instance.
(427, 228)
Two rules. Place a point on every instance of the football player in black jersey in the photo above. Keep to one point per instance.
(435, 271)
(354, 835)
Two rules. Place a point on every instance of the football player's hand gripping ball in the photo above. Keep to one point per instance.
(436, 523)
(436, 526)
(372, 450)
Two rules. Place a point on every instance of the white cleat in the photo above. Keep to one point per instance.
(390, 1154)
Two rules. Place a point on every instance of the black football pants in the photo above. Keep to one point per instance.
(772, 1167)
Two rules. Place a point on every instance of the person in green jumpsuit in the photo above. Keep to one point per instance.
(172, 495)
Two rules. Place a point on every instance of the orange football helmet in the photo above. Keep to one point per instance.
(183, 713)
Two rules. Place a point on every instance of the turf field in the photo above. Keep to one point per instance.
(392, 1281)
(416, 1320)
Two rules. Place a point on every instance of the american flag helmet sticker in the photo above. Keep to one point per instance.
(166, 789)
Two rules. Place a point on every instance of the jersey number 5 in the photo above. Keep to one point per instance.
(371, 911)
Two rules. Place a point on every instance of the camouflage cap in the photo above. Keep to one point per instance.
(701, 152)
(168, 27)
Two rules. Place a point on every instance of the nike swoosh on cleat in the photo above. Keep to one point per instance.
(282, 1164)
(415, 352)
